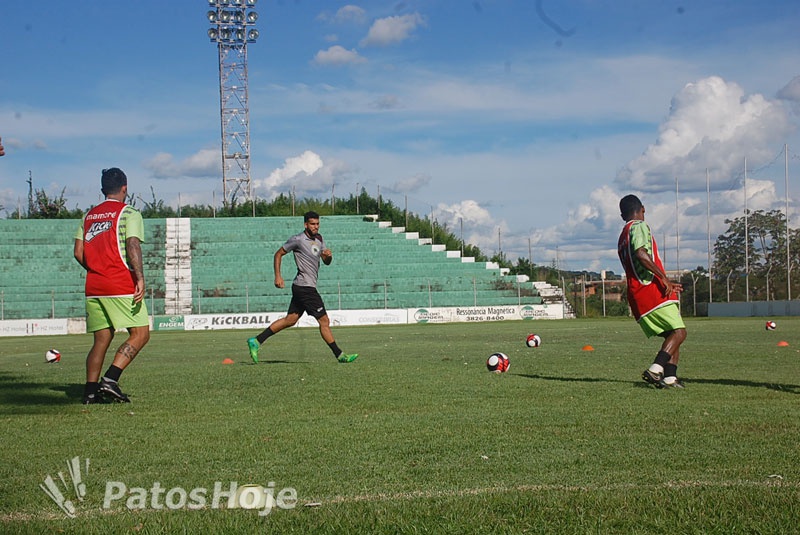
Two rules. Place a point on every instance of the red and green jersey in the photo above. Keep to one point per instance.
(644, 289)
(104, 230)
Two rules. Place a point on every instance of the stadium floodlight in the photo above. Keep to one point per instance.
(232, 28)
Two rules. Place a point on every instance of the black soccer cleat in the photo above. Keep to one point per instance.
(91, 399)
(675, 384)
(653, 378)
(111, 388)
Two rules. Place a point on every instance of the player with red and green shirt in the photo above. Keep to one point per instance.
(653, 298)
(108, 246)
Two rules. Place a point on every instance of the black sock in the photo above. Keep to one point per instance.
(113, 373)
(662, 359)
(670, 370)
(266, 333)
(335, 349)
(90, 389)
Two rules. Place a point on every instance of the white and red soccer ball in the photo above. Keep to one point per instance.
(497, 363)
(52, 356)
(533, 340)
(771, 325)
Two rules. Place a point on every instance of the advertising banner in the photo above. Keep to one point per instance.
(33, 327)
(168, 323)
(485, 313)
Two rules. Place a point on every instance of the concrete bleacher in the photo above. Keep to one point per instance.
(40, 277)
(374, 266)
(230, 265)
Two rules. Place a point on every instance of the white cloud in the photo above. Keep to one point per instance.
(338, 55)
(386, 102)
(10, 142)
(479, 226)
(306, 164)
(600, 213)
(350, 13)
(412, 183)
(468, 211)
(392, 30)
(791, 91)
(202, 164)
(307, 174)
(711, 125)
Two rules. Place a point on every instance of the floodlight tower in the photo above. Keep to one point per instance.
(232, 29)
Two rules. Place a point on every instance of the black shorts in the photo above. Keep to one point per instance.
(306, 299)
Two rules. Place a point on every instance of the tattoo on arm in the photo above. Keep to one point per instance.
(134, 250)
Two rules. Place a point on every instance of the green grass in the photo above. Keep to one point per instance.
(416, 436)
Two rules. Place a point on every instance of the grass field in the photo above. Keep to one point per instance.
(416, 436)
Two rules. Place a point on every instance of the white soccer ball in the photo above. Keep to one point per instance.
(771, 325)
(497, 363)
(52, 356)
(533, 340)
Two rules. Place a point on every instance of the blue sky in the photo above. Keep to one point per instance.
(527, 120)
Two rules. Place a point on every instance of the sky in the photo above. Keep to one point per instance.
(519, 124)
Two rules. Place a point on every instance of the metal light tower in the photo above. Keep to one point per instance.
(232, 29)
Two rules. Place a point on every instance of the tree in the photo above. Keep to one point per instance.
(765, 258)
(770, 239)
(45, 207)
(154, 209)
(695, 290)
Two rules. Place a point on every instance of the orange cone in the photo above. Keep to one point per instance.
(588, 348)
(783, 343)
(227, 361)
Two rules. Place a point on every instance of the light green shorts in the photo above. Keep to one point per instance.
(115, 313)
(666, 318)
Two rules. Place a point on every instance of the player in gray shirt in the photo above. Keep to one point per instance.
(308, 248)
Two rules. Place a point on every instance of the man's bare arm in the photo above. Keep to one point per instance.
(276, 265)
(133, 248)
(78, 252)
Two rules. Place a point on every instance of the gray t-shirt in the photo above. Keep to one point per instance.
(306, 255)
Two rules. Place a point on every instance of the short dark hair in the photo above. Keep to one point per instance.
(310, 215)
(628, 205)
(112, 181)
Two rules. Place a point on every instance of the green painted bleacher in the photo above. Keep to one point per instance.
(373, 267)
(40, 277)
(231, 267)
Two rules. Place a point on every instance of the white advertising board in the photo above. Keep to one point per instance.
(33, 327)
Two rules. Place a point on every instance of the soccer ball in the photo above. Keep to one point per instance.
(52, 355)
(533, 340)
(497, 363)
(771, 326)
